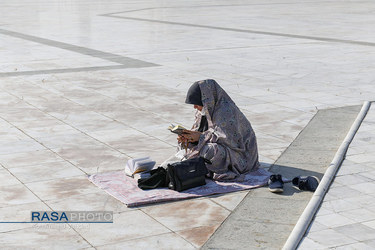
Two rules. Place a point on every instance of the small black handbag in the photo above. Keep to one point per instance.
(158, 179)
(187, 174)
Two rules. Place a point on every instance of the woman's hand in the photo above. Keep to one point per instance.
(191, 136)
(181, 139)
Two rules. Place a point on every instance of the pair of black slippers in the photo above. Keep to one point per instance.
(304, 183)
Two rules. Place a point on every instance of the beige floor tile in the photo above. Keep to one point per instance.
(100, 201)
(43, 236)
(53, 130)
(334, 220)
(7, 179)
(158, 154)
(126, 226)
(199, 235)
(370, 224)
(365, 188)
(309, 244)
(359, 215)
(13, 136)
(339, 205)
(15, 195)
(20, 146)
(87, 120)
(29, 158)
(19, 213)
(23, 112)
(230, 200)
(138, 144)
(46, 171)
(67, 140)
(330, 238)
(93, 158)
(163, 241)
(197, 213)
(62, 188)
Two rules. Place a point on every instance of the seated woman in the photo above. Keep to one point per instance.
(221, 133)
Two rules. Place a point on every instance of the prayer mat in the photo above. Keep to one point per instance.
(126, 189)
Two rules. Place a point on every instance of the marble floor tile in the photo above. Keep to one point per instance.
(370, 224)
(93, 158)
(42, 129)
(308, 243)
(16, 194)
(339, 205)
(315, 226)
(46, 171)
(13, 136)
(67, 140)
(358, 245)
(7, 179)
(83, 118)
(357, 231)
(351, 179)
(198, 212)
(366, 187)
(324, 210)
(334, 220)
(98, 201)
(330, 238)
(362, 158)
(344, 192)
(229, 201)
(359, 215)
(162, 241)
(353, 168)
(62, 188)
(362, 200)
(21, 146)
(22, 113)
(19, 213)
(44, 236)
(126, 226)
(198, 236)
(29, 158)
(368, 175)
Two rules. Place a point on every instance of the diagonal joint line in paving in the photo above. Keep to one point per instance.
(209, 6)
(268, 33)
(126, 61)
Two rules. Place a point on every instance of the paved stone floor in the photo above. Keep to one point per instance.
(86, 85)
(346, 218)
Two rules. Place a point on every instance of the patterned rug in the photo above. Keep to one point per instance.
(126, 190)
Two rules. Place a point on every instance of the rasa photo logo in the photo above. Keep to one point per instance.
(72, 216)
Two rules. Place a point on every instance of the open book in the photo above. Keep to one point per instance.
(135, 166)
(177, 129)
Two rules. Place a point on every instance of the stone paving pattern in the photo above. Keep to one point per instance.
(346, 218)
(87, 85)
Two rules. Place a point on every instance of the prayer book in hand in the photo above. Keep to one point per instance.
(139, 165)
(177, 129)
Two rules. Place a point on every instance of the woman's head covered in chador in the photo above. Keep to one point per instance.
(229, 132)
(194, 96)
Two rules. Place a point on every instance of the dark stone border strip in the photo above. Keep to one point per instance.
(126, 61)
(265, 220)
(57, 71)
